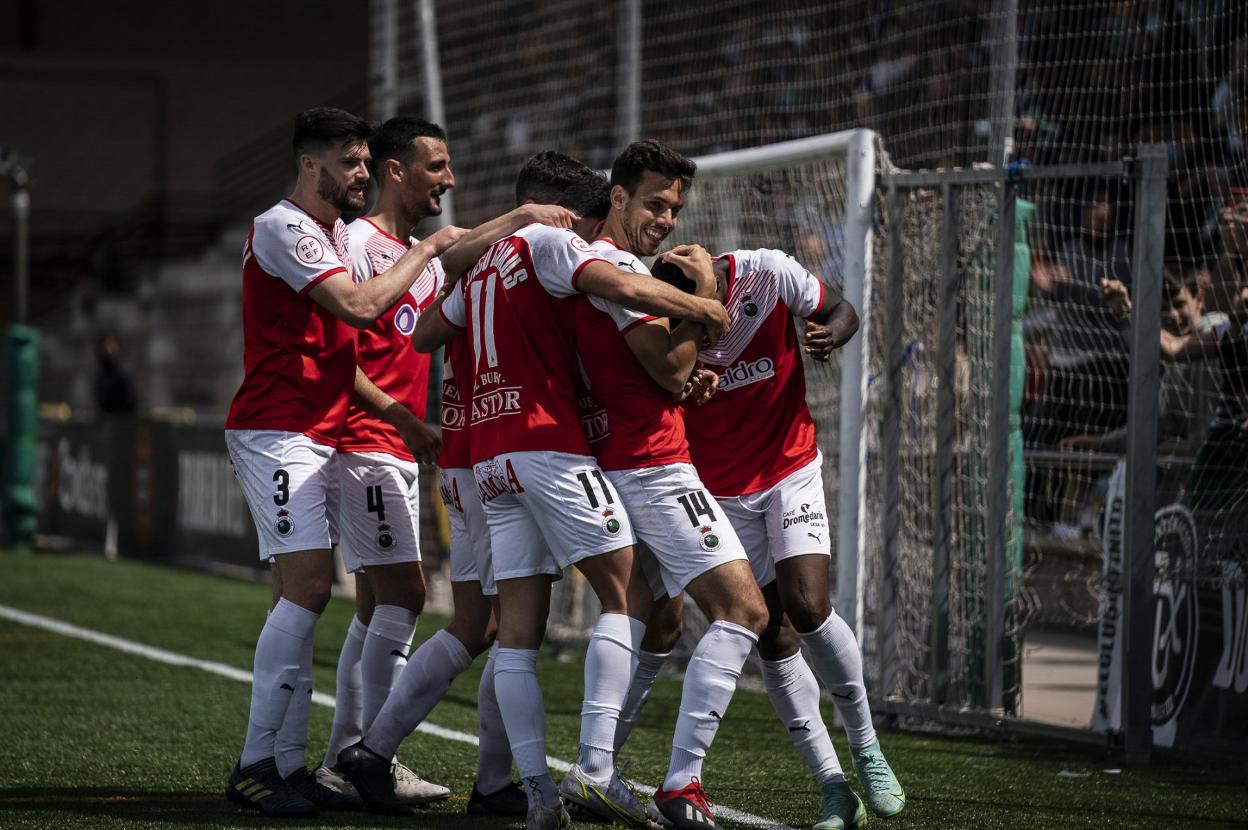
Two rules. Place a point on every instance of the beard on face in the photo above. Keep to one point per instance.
(338, 195)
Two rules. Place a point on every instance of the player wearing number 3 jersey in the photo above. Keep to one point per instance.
(300, 311)
(547, 503)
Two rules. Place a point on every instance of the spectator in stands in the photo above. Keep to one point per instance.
(114, 390)
(1184, 405)
(1085, 385)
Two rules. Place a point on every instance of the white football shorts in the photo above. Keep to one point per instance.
(288, 480)
(470, 535)
(378, 510)
(789, 518)
(679, 521)
(547, 511)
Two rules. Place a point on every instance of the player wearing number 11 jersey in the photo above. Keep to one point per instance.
(534, 473)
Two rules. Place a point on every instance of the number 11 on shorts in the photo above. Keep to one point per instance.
(583, 477)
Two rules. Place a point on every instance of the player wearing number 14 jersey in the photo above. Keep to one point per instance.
(533, 467)
(636, 365)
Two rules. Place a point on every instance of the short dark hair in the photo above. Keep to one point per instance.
(670, 273)
(321, 127)
(640, 156)
(393, 139)
(589, 196)
(545, 176)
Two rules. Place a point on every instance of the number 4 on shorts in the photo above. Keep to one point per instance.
(375, 504)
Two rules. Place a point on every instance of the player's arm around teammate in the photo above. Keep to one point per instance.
(299, 300)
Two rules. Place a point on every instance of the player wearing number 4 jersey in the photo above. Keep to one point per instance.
(636, 366)
(754, 444)
(431, 668)
(379, 497)
(300, 305)
(532, 466)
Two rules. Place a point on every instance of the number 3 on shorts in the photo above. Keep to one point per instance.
(283, 487)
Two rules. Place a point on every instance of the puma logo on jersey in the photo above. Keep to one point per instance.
(747, 372)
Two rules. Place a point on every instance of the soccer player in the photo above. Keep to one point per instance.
(754, 445)
(379, 496)
(300, 305)
(636, 365)
(429, 671)
(547, 503)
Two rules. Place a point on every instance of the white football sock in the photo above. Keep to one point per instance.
(493, 751)
(290, 746)
(610, 663)
(348, 721)
(710, 681)
(385, 654)
(520, 699)
(835, 658)
(425, 679)
(648, 666)
(275, 676)
(794, 693)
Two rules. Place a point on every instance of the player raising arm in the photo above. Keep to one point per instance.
(299, 305)
(635, 366)
(434, 665)
(532, 467)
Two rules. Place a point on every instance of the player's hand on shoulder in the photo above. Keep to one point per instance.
(423, 442)
(552, 215)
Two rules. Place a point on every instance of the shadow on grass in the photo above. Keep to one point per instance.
(1105, 814)
(45, 807)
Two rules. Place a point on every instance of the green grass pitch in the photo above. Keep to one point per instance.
(97, 738)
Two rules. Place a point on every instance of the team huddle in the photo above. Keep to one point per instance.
(645, 425)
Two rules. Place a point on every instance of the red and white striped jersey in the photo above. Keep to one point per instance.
(642, 427)
(298, 358)
(756, 429)
(385, 350)
(516, 308)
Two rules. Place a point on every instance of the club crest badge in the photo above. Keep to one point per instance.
(284, 524)
(610, 524)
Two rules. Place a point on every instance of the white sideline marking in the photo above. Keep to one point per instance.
(172, 658)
